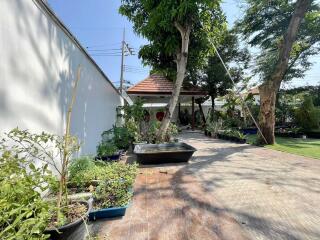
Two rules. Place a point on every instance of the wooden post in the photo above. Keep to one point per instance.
(202, 114)
(193, 122)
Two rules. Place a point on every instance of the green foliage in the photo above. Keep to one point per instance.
(234, 133)
(115, 189)
(47, 148)
(215, 80)
(264, 25)
(307, 116)
(106, 148)
(102, 171)
(134, 114)
(214, 127)
(133, 130)
(116, 180)
(120, 136)
(135, 111)
(80, 164)
(153, 130)
(24, 214)
(155, 20)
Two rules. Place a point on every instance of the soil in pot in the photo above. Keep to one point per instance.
(77, 212)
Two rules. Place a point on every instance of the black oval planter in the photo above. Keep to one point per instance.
(63, 232)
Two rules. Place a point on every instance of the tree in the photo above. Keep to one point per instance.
(307, 116)
(171, 26)
(286, 33)
(215, 79)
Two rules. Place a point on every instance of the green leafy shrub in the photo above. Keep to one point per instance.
(115, 187)
(120, 136)
(214, 127)
(50, 149)
(106, 148)
(307, 116)
(24, 214)
(102, 171)
(152, 132)
(80, 164)
(134, 130)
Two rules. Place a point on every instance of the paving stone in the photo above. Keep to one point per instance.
(227, 191)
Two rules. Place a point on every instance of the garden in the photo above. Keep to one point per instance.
(48, 193)
(297, 122)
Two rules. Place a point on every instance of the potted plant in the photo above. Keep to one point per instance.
(114, 192)
(55, 151)
(66, 215)
(120, 136)
(24, 213)
(108, 151)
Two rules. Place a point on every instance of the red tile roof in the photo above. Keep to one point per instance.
(157, 84)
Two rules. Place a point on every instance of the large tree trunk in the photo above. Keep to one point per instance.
(182, 58)
(267, 112)
(269, 89)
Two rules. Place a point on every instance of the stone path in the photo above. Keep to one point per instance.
(228, 191)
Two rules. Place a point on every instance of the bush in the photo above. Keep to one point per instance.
(24, 214)
(102, 171)
(307, 115)
(214, 127)
(106, 148)
(120, 136)
(80, 164)
(115, 189)
(153, 131)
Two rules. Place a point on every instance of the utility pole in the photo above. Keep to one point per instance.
(124, 50)
(122, 59)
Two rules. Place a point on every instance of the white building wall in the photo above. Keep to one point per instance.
(38, 65)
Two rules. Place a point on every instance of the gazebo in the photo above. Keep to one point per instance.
(156, 91)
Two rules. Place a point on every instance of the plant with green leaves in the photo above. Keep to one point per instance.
(171, 27)
(80, 164)
(214, 127)
(133, 115)
(120, 136)
(115, 187)
(106, 148)
(151, 136)
(215, 79)
(287, 33)
(24, 213)
(307, 116)
(49, 149)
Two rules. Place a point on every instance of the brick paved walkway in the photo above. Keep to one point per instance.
(228, 191)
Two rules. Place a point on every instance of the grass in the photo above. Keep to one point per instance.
(303, 147)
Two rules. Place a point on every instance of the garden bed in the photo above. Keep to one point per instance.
(231, 138)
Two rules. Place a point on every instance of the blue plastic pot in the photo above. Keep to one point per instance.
(107, 213)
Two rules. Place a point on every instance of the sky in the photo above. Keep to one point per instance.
(99, 27)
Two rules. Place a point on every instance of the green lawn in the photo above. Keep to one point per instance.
(304, 147)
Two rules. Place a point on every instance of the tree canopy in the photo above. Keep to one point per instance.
(215, 79)
(172, 27)
(263, 26)
(155, 20)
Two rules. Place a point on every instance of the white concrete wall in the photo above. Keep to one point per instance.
(38, 64)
